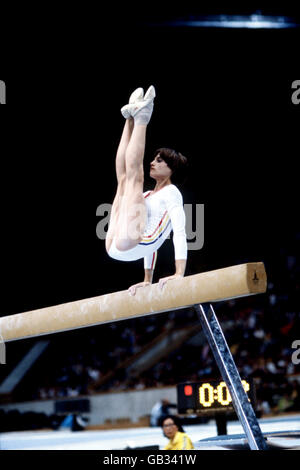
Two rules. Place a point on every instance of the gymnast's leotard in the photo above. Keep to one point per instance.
(164, 212)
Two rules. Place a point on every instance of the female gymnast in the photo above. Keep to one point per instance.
(141, 221)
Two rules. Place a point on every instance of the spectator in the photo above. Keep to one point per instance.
(173, 430)
(159, 411)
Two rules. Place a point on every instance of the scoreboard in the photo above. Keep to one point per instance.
(208, 396)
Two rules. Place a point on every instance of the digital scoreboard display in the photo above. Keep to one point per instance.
(208, 396)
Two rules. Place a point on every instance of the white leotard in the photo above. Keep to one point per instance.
(165, 212)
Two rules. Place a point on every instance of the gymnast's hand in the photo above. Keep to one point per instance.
(164, 280)
(132, 289)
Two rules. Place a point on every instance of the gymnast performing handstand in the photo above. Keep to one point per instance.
(141, 221)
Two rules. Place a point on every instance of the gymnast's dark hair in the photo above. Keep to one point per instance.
(175, 419)
(176, 162)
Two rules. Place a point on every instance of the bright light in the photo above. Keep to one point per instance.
(188, 390)
(255, 21)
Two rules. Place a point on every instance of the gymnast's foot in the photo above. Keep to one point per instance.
(150, 93)
(136, 95)
(141, 110)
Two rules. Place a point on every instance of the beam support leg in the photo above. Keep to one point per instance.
(231, 377)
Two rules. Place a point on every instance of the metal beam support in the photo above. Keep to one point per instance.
(231, 377)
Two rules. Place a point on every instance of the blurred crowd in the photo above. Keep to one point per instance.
(260, 331)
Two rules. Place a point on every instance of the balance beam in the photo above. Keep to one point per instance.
(212, 286)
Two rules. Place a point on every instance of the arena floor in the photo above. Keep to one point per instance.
(283, 432)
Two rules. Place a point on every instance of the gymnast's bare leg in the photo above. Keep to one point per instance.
(121, 180)
(128, 215)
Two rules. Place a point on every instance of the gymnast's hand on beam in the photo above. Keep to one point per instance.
(164, 280)
(132, 289)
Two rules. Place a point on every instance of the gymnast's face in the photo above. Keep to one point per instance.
(159, 169)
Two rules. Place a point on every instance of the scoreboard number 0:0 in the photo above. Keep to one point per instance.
(208, 394)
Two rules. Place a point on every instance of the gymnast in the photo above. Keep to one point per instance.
(141, 221)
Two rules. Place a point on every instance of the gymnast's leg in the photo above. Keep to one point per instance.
(132, 217)
(121, 178)
(128, 217)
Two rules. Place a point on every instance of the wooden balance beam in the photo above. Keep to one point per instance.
(212, 286)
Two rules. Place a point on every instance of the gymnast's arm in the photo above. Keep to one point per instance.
(148, 275)
(149, 266)
(180, 265)
(177, 216)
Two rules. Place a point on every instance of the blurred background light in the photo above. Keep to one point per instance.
(253, 21)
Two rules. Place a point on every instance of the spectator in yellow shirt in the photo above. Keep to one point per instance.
(173, 430)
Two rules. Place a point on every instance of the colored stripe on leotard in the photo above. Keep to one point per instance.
(158, 232)
(153, 262)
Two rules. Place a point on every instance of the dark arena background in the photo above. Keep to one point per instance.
(226, 98)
